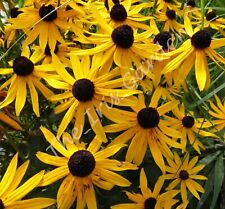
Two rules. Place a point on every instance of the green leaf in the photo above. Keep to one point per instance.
(218, 179)
(209, 158)
(208, 189)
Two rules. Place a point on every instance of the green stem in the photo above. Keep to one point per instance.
(202, 11)
(154, 7)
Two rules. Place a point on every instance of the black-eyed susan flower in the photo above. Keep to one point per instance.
(169, 20)
(144, 127)
(83, 169)
(190, 127)
(185, 173)
(11, 192)
(218, 112)
(195, 51)
(117, 43)
(149, 199)
(124, 12)
(212, 20)
(87, 90)
(45, 22)
(25, 73)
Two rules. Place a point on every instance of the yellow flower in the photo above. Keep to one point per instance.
(149, 199)
(25, 73)
(213, 21)
(83, 169)
(190, 127)
(44, 22)
(118, 43)
(145, 126)
(195, 50)
(11, 194)
(125, 12)
(169, 20)
(86, 90)
(218, 112)
(185, 174)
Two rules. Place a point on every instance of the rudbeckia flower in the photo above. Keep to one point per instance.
(195, 51)
(11, 193)
(149, 199)
(124, 12)
(83, 168)
(25, 73)
(184, 174)
(169, 20)
(218, 112)
(190, 127)
(213, 21)
(144, 127)
(122, 41)
(86, 90)
(44, 22)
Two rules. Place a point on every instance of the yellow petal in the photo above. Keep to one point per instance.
(34, 203)
(90, 197)
(67, 118)
(201, 66)
(54, 175)
(52, 160)
(9, 175)
(67, 193)
(20, 172)
(34, 97)
(54, 141)
(23, 190)
(21, 95)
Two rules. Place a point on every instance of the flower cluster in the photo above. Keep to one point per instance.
(121, 69)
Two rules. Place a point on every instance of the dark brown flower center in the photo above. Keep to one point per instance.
(48, 10)
(168, 1)
(148, 117)
(171, 14)
(191, 3)
(48, 51)
(81, 163)
(188, 121)
(23, 66)
(211, 16)
(123, 36)
(183, 175)
(201, 39)
(118, 13)
(1, 204)
(83, 90)
(150, 203)
(14, 12)
(164, 39)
